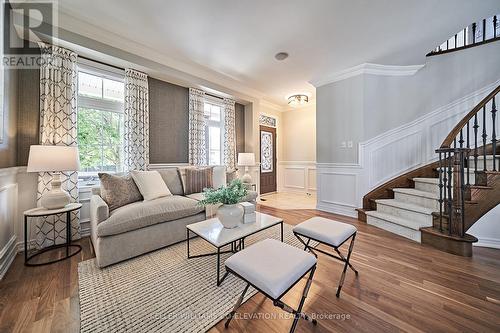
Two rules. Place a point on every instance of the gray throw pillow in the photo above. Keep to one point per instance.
(118, 191)
(172, 178)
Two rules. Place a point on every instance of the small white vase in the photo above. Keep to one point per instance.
(230, 215)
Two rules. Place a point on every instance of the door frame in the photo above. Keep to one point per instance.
(275, 155)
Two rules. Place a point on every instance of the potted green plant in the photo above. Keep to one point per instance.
(230, 213)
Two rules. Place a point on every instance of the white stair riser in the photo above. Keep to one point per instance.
(417, 200)
(395, 228)
(427, 187)
(424, 219)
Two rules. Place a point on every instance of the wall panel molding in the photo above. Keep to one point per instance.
(390, 154)
(297, 176)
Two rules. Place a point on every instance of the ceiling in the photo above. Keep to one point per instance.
(235, 41)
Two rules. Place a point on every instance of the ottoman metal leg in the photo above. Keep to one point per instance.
(236, 306)
(298, 313)
(345, 266)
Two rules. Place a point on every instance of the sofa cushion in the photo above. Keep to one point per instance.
(145, 213)
(118, 191)
(172, 178)
(219, 176)
(150, 184)
(198, 179)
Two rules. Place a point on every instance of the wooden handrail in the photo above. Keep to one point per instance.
(448, 141)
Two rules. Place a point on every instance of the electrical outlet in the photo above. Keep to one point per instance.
(343, 144)
(349, 144)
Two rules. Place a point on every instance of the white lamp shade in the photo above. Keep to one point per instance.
(53, 158)
(246, 159)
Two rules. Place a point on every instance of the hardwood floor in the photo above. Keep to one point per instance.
(402, 286)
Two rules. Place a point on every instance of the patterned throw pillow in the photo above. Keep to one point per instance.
(118, 191)
(231, 175)
(198, 179)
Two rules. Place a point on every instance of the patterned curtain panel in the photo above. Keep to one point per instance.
(58, 89)
(136, 120)
(197, 127)
(229, 135)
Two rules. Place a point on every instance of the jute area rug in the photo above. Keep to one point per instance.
(162, 291)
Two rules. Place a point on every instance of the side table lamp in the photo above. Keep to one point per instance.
(54, 159)
(246, 160)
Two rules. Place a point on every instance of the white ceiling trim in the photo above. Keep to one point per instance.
(271, 105)
(367, 68)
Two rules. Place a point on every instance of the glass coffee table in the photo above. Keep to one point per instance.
(213, 232)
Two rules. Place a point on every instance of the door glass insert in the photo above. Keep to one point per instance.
(266, 151)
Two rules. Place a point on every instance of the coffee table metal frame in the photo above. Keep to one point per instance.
(236, 245)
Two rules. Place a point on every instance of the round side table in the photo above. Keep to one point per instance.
(43, 212)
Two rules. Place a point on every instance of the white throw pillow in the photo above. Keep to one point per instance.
(150, 184)
(219, 176)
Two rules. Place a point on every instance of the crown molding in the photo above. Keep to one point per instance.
(272, 106)
(367, 68)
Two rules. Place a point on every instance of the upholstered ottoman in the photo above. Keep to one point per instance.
(331, 233)
(273, 268)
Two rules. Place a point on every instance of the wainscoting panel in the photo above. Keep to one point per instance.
(390, 154)
(8, 214)
(297, 176)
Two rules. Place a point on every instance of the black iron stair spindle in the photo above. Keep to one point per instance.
(476, 126)
(484, 138)
(450, 210)
(467, 158)
(494, 134)
(441, 181)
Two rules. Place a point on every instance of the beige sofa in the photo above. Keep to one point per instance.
(144, 226)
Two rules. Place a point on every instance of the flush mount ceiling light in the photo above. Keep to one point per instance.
(298, 99)
(281, 56)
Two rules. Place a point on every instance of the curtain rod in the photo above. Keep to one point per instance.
(102, 63)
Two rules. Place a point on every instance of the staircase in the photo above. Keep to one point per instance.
(436, 204)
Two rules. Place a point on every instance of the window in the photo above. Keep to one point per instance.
(100, 121)
(215, 133)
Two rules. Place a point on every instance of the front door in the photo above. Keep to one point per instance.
(267, 159)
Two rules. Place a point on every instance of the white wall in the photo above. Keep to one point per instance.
(297, 168)
(395, 120)
(487, 229)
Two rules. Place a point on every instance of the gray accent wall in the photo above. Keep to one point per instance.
(362, 107)
(240, 128)
(28, 117)
(168, 122)
(9, 142)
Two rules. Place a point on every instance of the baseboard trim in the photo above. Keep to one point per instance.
(493, 243)
(338, 209)
(7, 256)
